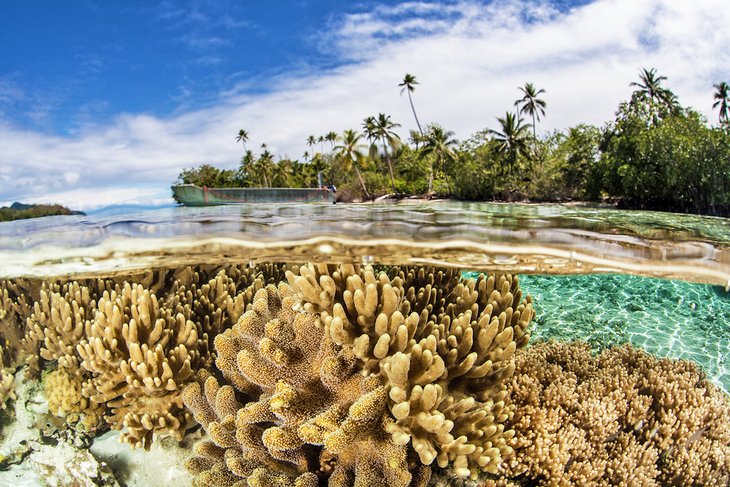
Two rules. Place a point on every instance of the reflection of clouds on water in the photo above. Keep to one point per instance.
(667, 318)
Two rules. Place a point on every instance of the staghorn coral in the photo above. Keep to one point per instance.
(622, 417)
(140, 355)
(442, 346)
(313, 411)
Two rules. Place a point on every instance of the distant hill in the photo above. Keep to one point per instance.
(19, 211)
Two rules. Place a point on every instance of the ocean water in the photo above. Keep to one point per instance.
(657, 281)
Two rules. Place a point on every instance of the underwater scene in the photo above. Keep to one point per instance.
(411, 344)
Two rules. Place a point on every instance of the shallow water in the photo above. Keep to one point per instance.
(658, 281)
(534, 239)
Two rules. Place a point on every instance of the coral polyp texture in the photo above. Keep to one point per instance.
(442, 347)
(622, 417)
(363, 377)
(132, 350)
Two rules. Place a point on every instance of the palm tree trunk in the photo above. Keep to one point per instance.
(390, 166)
(534, 129)
(414, 113)
(362, 183)
(430, 176)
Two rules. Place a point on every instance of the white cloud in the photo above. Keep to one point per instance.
(469, 59)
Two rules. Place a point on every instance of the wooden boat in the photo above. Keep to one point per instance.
(192, 195)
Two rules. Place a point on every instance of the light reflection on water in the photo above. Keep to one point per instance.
(535, 239)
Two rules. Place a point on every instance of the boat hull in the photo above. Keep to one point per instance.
(191, 195)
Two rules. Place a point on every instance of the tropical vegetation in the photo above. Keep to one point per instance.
(654, 154)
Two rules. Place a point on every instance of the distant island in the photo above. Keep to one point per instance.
(19, 211)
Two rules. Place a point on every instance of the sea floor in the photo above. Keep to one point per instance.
(673, 319)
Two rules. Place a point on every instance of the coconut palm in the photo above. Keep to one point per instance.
(311, 141)
(531, 104)
(512, 141)
(409, 86)
(265, 166)
(650, 86)
(438, 144)
(351, 154)
(320, 139)
(384, 133)
(331, 137)
(722, 101)
(243, 138)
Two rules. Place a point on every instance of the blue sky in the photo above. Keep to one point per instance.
(103, 103)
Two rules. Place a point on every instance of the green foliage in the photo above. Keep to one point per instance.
(654, 154)
(677, 163)
(19, 211)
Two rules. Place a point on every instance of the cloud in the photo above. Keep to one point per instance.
(469, 58)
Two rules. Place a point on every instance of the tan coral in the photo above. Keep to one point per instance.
(312, 405)
(622, 417)
(65, 400)
(140, 356)
(59, 322)
(7, 386)
(443, 347)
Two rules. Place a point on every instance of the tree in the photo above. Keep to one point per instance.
(722, 101)
(331, 137)
(512, 140)
(384, 133)
(650, 87)
(243, 138)
(409, 86)
(438, 145)
(311, 141)
(531, 104)
(350, 153)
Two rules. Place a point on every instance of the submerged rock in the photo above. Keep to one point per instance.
(62, 465)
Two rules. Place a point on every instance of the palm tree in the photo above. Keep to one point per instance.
(331, 137)
(650, 86)
(321, 142)
(512, 140)
(384, 132)
(265, 166)
(350, 152)
(311, 141)
(722, 97)
(243, 138)
(438, 143)
(531, 104)
(408, 85)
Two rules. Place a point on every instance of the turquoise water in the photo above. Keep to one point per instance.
(667, 318)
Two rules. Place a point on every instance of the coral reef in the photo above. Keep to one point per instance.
(133, 341)
(622, 417)
(7, 386)
(139, 356)
(442, 347)
(65, 400)
(313, 407)
(363, 377)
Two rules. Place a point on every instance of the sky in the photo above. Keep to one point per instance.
(105, 103)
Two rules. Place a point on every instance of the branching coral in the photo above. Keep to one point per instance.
(441, 346)
(622, 417)
(312, 406)
(59, 321)
(15, 308)
(140, 355)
